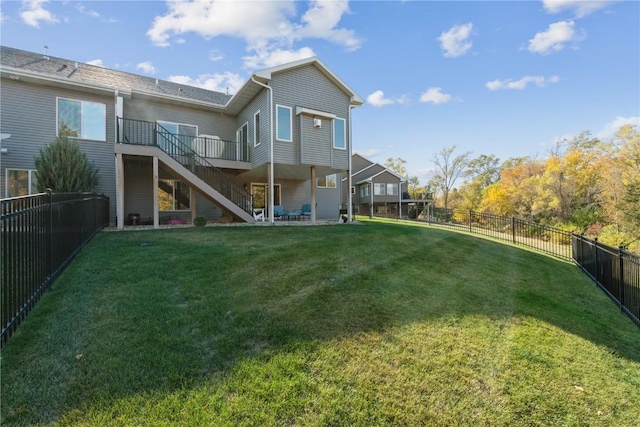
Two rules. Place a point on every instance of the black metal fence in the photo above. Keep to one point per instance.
(40, 236)
(615, 270)
(550, 240)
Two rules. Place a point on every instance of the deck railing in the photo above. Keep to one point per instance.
(181, 149)
(41, 234)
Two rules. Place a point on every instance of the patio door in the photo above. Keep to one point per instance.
(260, 196)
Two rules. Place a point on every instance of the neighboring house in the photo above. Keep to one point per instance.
(171, 151)
(379, 191)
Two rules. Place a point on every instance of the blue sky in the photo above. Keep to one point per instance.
(508, 78)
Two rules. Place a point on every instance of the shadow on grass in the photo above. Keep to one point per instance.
(131, 319)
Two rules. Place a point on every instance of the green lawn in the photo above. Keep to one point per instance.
(364, 324)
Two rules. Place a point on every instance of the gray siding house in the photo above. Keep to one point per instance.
(378, 191)
(170, 152)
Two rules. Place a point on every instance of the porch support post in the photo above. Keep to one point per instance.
(119, 191)
(313, 194)
(271, 195)
(371, 199)
(192, 202)
(400, 200)
(156, 207)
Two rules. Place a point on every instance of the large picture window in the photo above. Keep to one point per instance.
(21, 182)
(379, 189)
(339, 134)
(283, 123)
(329, 181)
(173, 195)
(82, 119)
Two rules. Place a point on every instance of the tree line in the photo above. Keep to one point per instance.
(585, 184)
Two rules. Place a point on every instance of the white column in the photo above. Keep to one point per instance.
(313, 194)
(119, 191)
(156, 207)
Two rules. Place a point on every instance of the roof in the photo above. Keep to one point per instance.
(372, 170)
(93, 75)
(19, 64)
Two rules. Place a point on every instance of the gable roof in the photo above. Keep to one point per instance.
(372, 170)
(30, 66)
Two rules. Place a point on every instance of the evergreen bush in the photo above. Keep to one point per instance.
(64, 168)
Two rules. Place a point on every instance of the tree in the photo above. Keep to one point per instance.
(397, 165)
(482, 172)
(64, 168)
(448, 170)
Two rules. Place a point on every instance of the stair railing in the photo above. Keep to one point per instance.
(140, 132)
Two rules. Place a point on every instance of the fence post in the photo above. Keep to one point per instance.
(596, 270)
(621, 281)
(50, 237)
(513, 230)
(470, 213)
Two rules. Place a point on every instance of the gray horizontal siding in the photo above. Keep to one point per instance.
(259, 154)
(308, 87)
(209, 123)
(28, 113)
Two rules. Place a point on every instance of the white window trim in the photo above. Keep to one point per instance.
(290, 123)
(256, 129)
(393, 185)
(334, 133)
(6, 180)
(58, 98)
(325, 180)
(381, 185)
(160, 122)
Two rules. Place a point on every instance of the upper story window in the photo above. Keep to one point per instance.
(82, 119)
(283, 123)
(364, 190)
(329, 181)
(339, 134)
(256, 129)
(392, 189)
(20, 182)
(379, 189)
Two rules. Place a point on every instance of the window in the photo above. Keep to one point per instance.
(186, 133)
(21, 182)
(353, 190)
(339, 134)
(283, 123)
(364, 190)
(379, 189)
(329, 181)
(82, 119)
(242, 134)
(173, 195)
(392, 189)
(256, 129)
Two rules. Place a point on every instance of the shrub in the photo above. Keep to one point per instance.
(200, 221)
(64, 168)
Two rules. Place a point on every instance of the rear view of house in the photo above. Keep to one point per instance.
(170, 152)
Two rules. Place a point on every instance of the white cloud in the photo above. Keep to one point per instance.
(581, 8)
(224, 82)
(371, 152)
(612, 127)
(267, 24)
(555, 38)
(377, 99)
(146, 67)
(91, 13)
(33, 12)
(435, 96)
(215, 55)
(96, 62)
(510, 84)
(455, 41)
(268, 56)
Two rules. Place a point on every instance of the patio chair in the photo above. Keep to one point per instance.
(279, 212)
(306, 210)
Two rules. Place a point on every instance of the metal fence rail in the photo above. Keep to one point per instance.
(41, 234)
(552, 241)
(615, 270)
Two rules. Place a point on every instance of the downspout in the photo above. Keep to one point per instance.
(350, 196)
(271, 216)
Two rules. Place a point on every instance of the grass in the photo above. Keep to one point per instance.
(369, 324)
